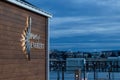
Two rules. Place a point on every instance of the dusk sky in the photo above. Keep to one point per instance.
(83, 25)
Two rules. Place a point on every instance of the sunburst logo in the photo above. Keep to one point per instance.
(26, 44)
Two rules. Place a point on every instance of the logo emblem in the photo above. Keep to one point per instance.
(26, 44)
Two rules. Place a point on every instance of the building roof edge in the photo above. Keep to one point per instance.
(29, 7)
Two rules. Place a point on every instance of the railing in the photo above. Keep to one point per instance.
(89, 76)
(92, 70)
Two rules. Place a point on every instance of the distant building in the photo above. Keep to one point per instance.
(73, 64)
(102, 65)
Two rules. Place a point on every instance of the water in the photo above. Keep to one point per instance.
(89, 76)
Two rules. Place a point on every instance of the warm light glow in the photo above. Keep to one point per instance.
(30, 40)
(26, 37)
(24, 48)
(27, 22)
(24, 34)
(23, 44)
(23, 38)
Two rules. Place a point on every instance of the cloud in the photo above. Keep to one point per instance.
(78, 7)
(86, 46)
(98, 2)
(86, 19)
(99, 7)
(83, 24)
(104, 25)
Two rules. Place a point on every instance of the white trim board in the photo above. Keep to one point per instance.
(29, 7)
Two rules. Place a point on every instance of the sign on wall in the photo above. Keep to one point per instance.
(30, 40)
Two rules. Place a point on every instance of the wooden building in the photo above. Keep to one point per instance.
(23, 41)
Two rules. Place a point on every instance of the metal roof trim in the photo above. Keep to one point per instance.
(29, 7)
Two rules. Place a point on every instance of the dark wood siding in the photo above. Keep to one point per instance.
(13, 63)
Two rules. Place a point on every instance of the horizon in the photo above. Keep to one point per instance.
(84, 51)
